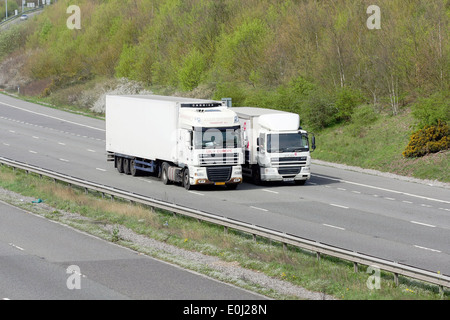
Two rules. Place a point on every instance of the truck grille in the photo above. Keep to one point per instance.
(289, 170)
(219, 174)
(288, 161)
(216, 158)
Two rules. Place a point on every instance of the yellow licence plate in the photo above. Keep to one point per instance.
(219, 183)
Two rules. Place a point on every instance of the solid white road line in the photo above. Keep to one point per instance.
(197, 193)
(338, 205)
(331, 226)
(51, 117)
(17, 247)
(256, 208)
(429, 249)
(423, 224)
(384, 189)
(271, 191)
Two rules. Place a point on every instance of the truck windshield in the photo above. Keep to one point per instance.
(217, 138)
(287, 142)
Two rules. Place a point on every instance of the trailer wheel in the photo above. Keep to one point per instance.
(186, 181)
(134, 172)
(164, 176)
(119, 164)
(126, 166)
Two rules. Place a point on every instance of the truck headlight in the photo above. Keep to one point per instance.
(200, 173)
(305, 169)
(270, 170)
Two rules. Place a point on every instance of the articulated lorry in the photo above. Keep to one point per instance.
(182, 140)
(275, 146)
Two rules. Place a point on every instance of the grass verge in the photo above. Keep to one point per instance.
(111, 219)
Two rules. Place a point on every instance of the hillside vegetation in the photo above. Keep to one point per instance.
(316, 58)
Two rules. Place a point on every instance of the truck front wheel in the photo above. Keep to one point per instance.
(186, 180)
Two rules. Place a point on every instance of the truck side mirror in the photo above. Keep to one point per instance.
(313, 141)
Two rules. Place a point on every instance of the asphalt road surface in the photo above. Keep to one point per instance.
(388, 218)
(44, 260)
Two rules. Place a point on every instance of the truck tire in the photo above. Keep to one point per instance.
(164, 176)
(232, 186)
(134, 172)
(300, 182)
(119, 164)
(186, 181)
(126, 166)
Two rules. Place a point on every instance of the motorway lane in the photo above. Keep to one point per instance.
(35, 254)
(393, 219)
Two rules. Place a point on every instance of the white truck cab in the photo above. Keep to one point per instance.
(275, 146)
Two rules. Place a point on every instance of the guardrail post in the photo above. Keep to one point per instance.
(318, 256)
(396, 279)
(355, 266)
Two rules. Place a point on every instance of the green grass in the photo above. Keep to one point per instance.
(329, 275)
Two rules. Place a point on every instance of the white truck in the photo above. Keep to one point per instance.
(275, 146)
(182, 140)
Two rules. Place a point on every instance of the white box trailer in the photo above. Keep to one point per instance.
(275, 146)
(190, 141)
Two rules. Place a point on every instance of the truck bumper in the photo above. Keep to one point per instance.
(200, 176)
(208, 182)
(272, 174)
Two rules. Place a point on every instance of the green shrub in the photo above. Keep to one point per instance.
(192, 70)
(11, 39)
(430, 139)
(361, 119)
(124, 68)
(347, 100)
(428, 111)
(319, 110)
